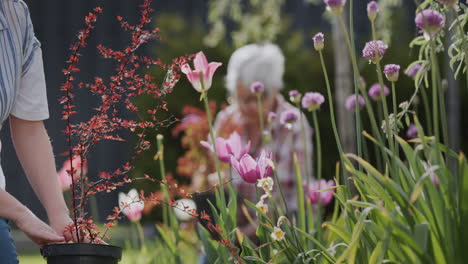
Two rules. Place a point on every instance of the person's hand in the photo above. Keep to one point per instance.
(59, 223)
(38, 231)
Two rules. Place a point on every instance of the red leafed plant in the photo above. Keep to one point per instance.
(125, 84)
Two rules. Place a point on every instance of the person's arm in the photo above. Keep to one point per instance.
(38, 231)
(34, 151)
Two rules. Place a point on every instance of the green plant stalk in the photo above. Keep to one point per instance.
(162, 171)
(141, 235)
(464, 42)
(300, 197)
(217, 165)
(427, 111)
(260, 116)
(352, 54)
(374, 124)
(443, 110)
(435, 103)
(395, 127)
(318, 144)
(319, 170)
(332, 108)
(304, 139)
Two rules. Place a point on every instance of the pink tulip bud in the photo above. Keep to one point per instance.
(202, 67)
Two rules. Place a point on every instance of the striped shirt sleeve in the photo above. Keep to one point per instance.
(30, 43)
(31, 98)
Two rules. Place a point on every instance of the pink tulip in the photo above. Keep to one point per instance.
(64, 176)
(226, 148)
(252, 170)
(325, 196)
(201, 66)
(131, 205)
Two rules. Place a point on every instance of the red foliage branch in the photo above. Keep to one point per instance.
(122, 87)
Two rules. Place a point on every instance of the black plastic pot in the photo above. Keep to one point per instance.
(78, 253)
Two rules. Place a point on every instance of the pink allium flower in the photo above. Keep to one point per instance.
(350, 103)
(64, 176)
(376, 92)
(430, 21)
(335, 6)
(295, 96)
(289, 117)
(312, 101)
(449, 3)
(225, 148)
(319, 41)
(412, 131)
(372, 10)
(369, 51)
(392, 72)
(414, 70)
(271, 117)
(131, 205)
(201, 66)
(252, 170)
(257, 87)
(325, 196)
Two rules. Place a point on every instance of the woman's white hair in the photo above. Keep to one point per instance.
(256, 63)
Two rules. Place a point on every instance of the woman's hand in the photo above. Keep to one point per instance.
(38, 231)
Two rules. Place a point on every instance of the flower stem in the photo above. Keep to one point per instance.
(212, 138)
(162, 171)
(427, 111)
(435, 103)
(352, 55)
(317, 143)
(332, 108)
(306, 153)
(141, 235)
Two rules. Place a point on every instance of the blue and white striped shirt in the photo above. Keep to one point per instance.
(22, 82)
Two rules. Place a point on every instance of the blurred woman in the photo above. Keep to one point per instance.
(264, 63)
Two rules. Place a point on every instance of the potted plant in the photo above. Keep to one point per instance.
(125, 84)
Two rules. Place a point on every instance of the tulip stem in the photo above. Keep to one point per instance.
(162, 170)
(212, 138)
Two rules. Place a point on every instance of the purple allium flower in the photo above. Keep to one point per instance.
(362, 83)
(430, 21)
(372, 10)
(319, 41)
(271, 117)
(335, 6)
(257, 87)
(413, 70)
(369, 51)
(375, 91)
(289, 117)
(449, 3)
(412, 131)
(295, 96)
(312, 101)
(392, 72)
(350, 103)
